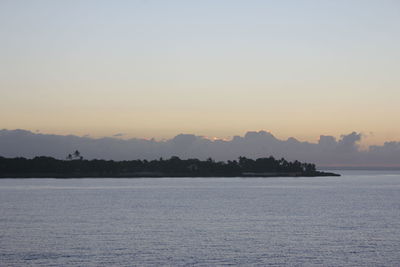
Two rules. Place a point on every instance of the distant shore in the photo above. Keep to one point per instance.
(47, 167)
(160, 175)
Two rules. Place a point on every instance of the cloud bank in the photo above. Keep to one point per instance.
(328, 151)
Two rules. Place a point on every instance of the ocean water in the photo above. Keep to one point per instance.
(353, 220)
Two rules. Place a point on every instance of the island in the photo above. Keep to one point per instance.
(48, 167)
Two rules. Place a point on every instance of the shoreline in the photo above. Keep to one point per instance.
(48, 167)
(141, 176)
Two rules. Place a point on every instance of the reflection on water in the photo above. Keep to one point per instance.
(348, 220)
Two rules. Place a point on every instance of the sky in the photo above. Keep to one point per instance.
(155, 69)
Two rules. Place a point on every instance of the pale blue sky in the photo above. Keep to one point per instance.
(214, 68)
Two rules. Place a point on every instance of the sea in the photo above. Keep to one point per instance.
(352, 220)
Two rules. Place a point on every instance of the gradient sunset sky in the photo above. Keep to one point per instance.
(213, 68)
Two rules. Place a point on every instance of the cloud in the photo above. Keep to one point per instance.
(119, 135)
(328, 151)
(349, 142)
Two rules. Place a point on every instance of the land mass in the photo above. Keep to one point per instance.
(48, 167)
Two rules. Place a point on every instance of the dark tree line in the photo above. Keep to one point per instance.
(78, 167)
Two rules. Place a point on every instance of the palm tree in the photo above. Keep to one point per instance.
(77, 154)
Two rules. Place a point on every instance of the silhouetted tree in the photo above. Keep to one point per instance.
(173, 166)
(77, 154)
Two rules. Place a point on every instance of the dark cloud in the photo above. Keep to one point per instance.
(328, 151)
(349, 142)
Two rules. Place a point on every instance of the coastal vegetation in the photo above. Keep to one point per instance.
(75, 166)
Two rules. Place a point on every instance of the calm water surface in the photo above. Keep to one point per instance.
(353, 220)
